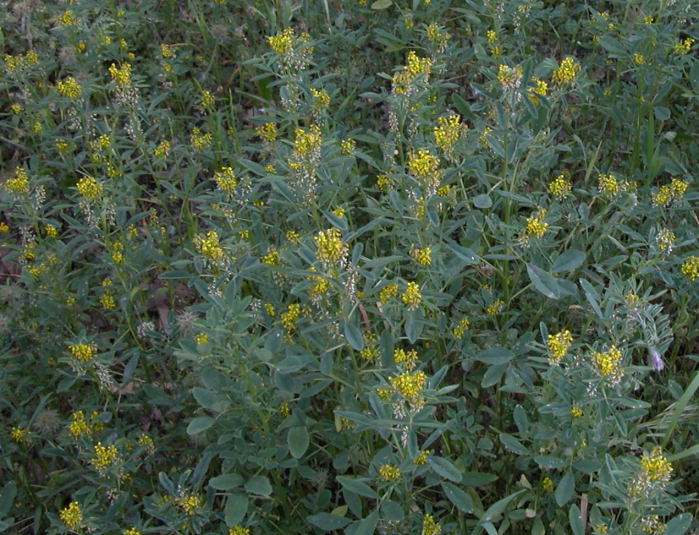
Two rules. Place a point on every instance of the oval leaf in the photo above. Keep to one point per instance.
(259, 485)
(226, 481)
(236, 507)
(298, 441)
(565, 488)
(328, 522)
(199, 424)
(458, 497)
(445, 468)
(568, 261)
(357, 487)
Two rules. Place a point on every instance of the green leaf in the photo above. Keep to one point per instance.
(482, 201)
(368, 525)
(565, 488)
(466, 255)
(568, 261)
(353, 334)
(205, 398)
(661, 113)
(236, 507)
(298, 441)
(259, 485)
(445, 468)
(495, 355)
(521, 420)
(549, 461)
(199, 424)
(458, 497)
(499, 507)
(328, 522)
(226, 481)
(543, 282)
(679, 525)
(575, 519)
(353, 485)
(514, 445)
(477, 479)
(381, 4)
(7, 497)
(493, 375)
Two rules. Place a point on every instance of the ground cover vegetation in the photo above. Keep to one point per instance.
(384, 267)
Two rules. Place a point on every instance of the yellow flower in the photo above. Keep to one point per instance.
(307, 142)
(491, 36)
(67, 18)
(347, 147)
(388, 292)
(417, 65)
(407, 358)
(20, 183)
(272, 258)
(409, 384)
(424, 166)
(558, 345)
(19, 435)
(607, 364)
(147, 442)
(291, 316)
(422, 256)
(509, 77)
(430, 526)
(330, 249)
(547, 484)
(412, 296)
(239, 530)
(639, 59)
(225, 180)
(566, 71)
(683, 47)
(69, 88)
(665, 240)
(209, 246)
(460, 330)
(540, 88)
(388, 472)
(121, 75)
(560, 187)
(690, 268)
(656, 466)
(200, 141)
(494, 308)
(83, 352)
(89, 188)
(283, 42)
(267, 131)
(421, 457)
(608, 185)
(202, 339)
(131, 531)
(447, 132)
(104, 457)
(536, 226)
(162, 150)
(72, 516)
(78, 425)
(4, 227)
(576, 412)
(321, 98)
(189, 503)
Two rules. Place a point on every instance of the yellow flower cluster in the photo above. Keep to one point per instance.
(20, 183)
(388, 472)
(494, 308)
(547, 484)
(200, 141)
(147, 442)
(447, 132)
(131, 531)
(387, 293)
(107, 297)
(509, 77)
(117, 252)
(566, 71)
(283, 42)
(656, 466)
(430, 526)
(206, 99)
(666, 239)
(320, 285)
(272, 258)
(683, 47)
(225, 180)
(541, 88)
(437, 36)
(239, 530)
(201, 339)
(608, 185)
(307, 142)
(560, 187)
(536, 226)
(330, 249)
(18, 63)
(407, 358)
(291, 316)
(104, 457)
(371, 349)
(162, 150)
(89, 188)
(409, 384)
(267, 131)
(78, 425)
(69, 88)
(669, 193)
(412, 296)
(19, 435)
(416, 66)
(121, 75)
(460, 330)
(607, 364)
(209, 246)
(690, 268)
(83, 352)
(189, 503)
(558, 345)
(321, 98)
(383, 183)
(422, 256)
(421, 457)
(347, 147)
(639, 59)
(72, 516)
(576, 412)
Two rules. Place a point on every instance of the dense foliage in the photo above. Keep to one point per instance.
(400, 266)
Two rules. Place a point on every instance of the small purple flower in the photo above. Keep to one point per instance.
(656, 360)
